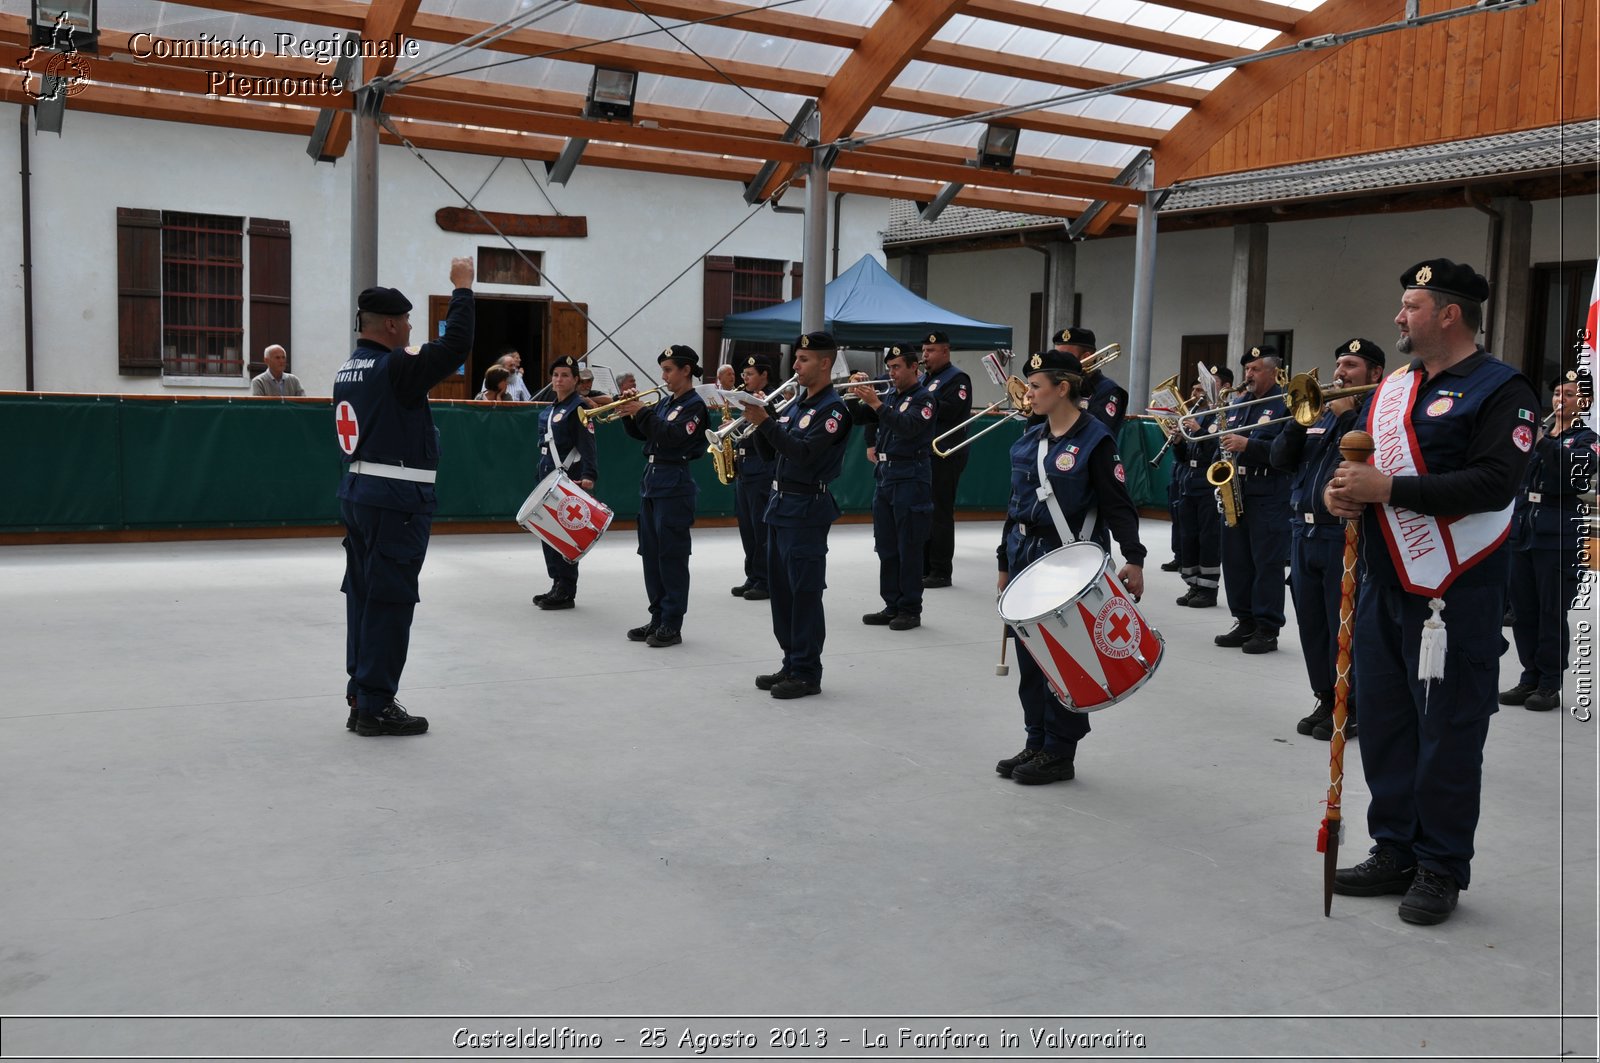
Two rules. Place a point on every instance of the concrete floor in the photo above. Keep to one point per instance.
(595, 828)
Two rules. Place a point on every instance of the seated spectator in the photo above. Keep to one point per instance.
(495, 382)
(275, 382)
(516, 388)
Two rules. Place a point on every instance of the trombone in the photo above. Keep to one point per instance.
(1304, 396)
(1102, 358)
(611, 410)
(1021, 409)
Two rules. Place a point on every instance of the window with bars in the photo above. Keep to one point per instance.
(188, 306)
(733, 286)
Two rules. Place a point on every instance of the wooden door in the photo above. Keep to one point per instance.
(454, 386)
(567, 333)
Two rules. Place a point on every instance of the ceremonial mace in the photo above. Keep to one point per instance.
(1355, 447)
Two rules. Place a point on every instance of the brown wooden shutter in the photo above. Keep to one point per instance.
(797, 279)
(569, 333)
(718, 300)
(138, 291)
(269, 289)
(456, 385)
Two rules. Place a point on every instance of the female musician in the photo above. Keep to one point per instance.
(1087, 496)
(566, 444)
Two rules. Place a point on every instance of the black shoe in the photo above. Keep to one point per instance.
(1263, 641)
(936, 581)
(642, 632)
(392, 719)
(1005, 767)
(350, 721)
(1322, 711)
(1517, 695)
(1542, 700)
(738, 592)
(905, 622)
(1242, 630)
(1172, 566)
(879, 619)
(540, 599)
(558, 600)
(1385, 871)
(1044, 768)
(1201, 598)
(1324, 730)
(767, 682)
(795, 687)
(1431, 898)
(663, 636)
(1183, 599)
(756, 594)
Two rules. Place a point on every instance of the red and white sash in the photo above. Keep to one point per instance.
(1428, 552)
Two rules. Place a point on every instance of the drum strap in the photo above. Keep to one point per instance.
(1048, 496)
(550, 445)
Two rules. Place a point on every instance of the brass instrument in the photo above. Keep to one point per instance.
(1305, 397)
(722, 443)
(1165, 396)
(886, 388)
(1102, 358)
(611, 410)
(1021, 407)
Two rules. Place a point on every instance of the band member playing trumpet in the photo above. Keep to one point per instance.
(1085, 495)
(952, 392)
(1452, 432)
(902, 493)
(1547, 532)
(1316, 554)
(807, 439)
(751, 488)
(1255, 550)
(567, 444)
(1103, 398)
(671, 430)
(1199, 522)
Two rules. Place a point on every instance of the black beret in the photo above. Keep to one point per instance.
(1262, 351)
(1075, 337)
(679, 354)
(1364, 349)
(566, 361)
(912, 351)
(760, 363)
(816, 341)
(1223, 373)
(1579, 377)
(386, 301)
(1448, 278)
(1054, 361)
(936, 337)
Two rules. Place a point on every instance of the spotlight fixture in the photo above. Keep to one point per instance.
(66, 25)
(997, 150)
(611, 94)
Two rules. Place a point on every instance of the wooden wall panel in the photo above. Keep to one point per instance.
(1494, 72)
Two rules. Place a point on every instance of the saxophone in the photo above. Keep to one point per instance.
(1223, 475)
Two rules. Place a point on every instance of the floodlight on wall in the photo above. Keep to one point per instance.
(997, 149)
(559, 171)
(611, 94)
(66, 25)
(929, 212)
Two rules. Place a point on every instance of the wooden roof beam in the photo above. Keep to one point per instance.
(1038, 17)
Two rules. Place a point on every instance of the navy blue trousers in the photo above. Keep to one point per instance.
(664, 525)
(1253, 555)
(1422, 749)
(1200, 547)
(1175, 514)
(939, 555)
(750, 506)
(383, 551)
(563, 573)
(1316, 569)
(797, 565)
(1543, 584)
(899, 535)
(1050, 725)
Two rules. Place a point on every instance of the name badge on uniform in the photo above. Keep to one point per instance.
(557, 416)
(805, 422)
(672, 415)
(904, 404)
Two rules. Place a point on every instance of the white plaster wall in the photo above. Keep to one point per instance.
(643, 230)
(12, 374)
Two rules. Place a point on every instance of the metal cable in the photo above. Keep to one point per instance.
(709, 64)
(481, 39)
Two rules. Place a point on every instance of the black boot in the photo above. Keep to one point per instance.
(559, 598)
(1202, 598)
(1265, 640)
(1387, 870)
(1431, 898)
(1005, 767)
(1242, 630)
(392, 719)
(1322, 711)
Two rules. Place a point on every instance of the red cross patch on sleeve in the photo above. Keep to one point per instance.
(961, 392)
(1122, 477)
(691, 424)
(927, 413)
(832, 424)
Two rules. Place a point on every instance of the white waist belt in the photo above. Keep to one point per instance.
(394, 472)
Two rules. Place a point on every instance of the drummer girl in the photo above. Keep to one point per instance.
(1087, 495)
(564, 443)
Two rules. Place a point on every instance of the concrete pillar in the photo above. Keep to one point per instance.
(1058, 297)
(1509, 286)
(1247, 303)
(363, 195)
(1144, 290)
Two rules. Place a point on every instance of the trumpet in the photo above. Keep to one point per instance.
(612, 410)
(887, 385)
(721, 443)
(1021, 408)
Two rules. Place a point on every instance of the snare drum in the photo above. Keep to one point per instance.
(568, 518)
(1072, 615)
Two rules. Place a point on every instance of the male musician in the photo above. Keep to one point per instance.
(751, 488)
(1316, 555)
(807, 440)
(673, 437)
(1103, 398)
(1547, 535)
(952, 393)
(391, 453)
(566, 444)
(1255, 550)
(1086, 495)
(902, 493)
(1200, 548)
(1452, 431)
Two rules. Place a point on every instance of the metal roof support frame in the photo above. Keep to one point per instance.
(813, 300)
(364, 187)
(1144, 276)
